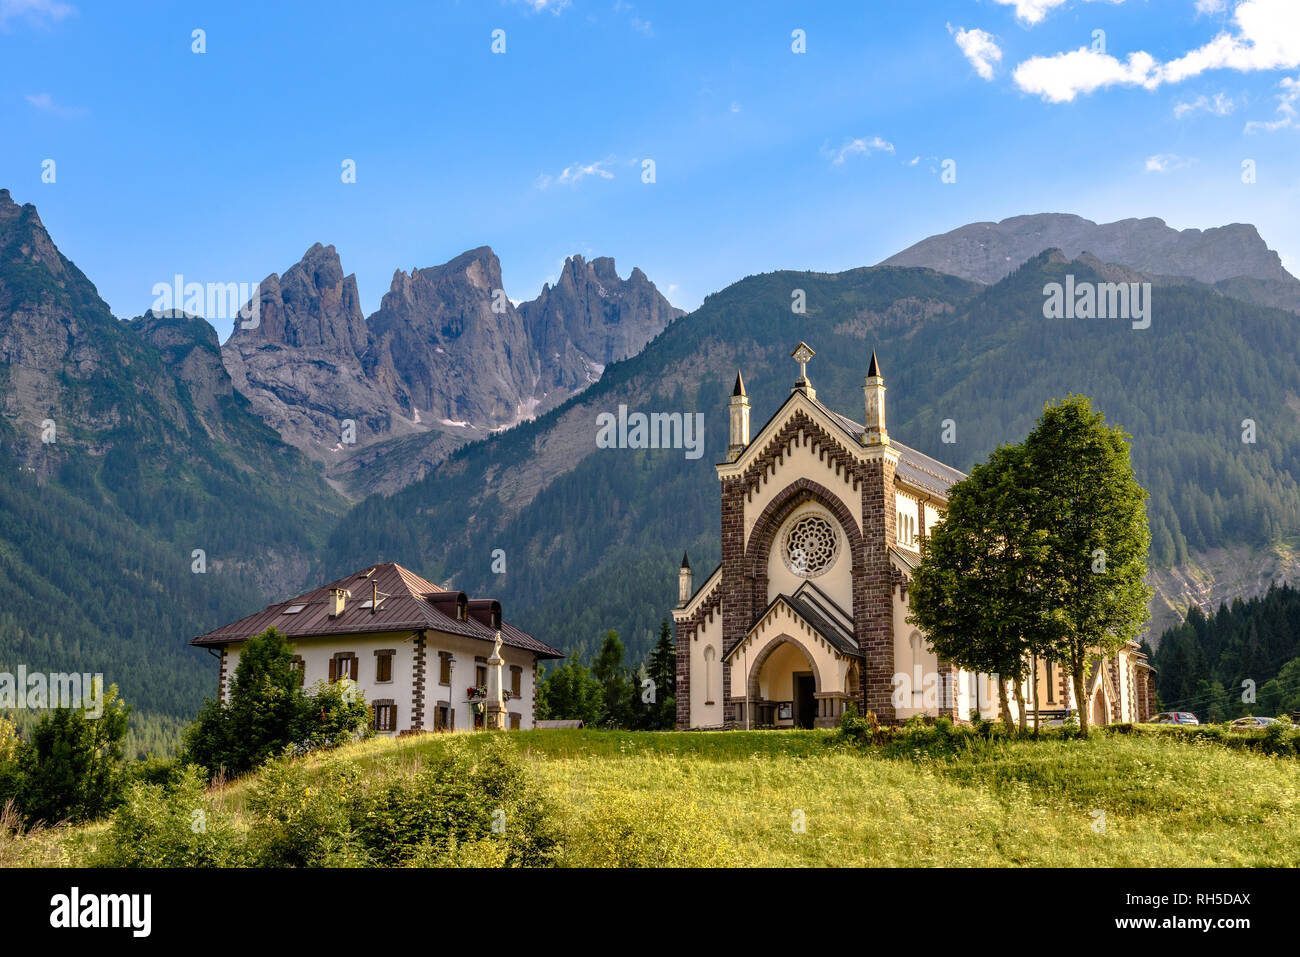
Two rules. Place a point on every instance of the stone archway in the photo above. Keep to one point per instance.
(785, 668)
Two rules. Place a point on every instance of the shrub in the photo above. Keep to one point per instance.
(169, 825)
(458, 799)
(301, 816)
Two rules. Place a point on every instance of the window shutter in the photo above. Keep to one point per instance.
(392, 718)
(352, 668)
(334, 670)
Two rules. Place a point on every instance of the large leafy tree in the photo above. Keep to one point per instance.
(1089, 522)
(1042, 552)
(974, 594)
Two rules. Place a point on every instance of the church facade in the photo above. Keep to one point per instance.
(823, 521)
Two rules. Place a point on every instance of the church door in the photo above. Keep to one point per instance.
(805, 704)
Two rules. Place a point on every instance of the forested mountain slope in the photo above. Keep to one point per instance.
(592, 536)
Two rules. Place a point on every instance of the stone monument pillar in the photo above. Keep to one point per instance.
(494, 708)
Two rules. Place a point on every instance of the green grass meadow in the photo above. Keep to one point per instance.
(799, 798)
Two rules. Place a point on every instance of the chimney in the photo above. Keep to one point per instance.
(337, 598)
(684, 589)
(739, 410)
(873, 390)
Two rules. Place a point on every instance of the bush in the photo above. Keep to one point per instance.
(456, 801)
(169, 825)
(71, 769)
(302, 817)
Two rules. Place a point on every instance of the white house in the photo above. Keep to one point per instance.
(418, 652)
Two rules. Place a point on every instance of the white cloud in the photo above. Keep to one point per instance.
(34, 11)
(1035, 11)
(1211, 6)
(1266, 37)
(979, 48)
(1060, 78)
(45, 103)
(860, 146)
(1163, 162)
(545, 6)
(572, 175)
(1286, 109)
(1220, 105)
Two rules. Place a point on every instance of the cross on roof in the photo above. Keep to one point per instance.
(802, 353)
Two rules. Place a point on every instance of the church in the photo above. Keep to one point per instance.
(823, 519)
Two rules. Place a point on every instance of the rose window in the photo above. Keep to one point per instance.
(810, 546)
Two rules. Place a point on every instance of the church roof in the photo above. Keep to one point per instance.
(915, 468)
(407, 603)
(821, 614)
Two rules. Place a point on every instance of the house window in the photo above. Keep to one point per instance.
(444, 668)
(385, 715)
(298, 668)
(384, 664)
(1051, 692)
(480, 672)
(516, 680)
(514, 720)
(343, 665)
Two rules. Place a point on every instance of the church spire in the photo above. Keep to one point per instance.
(738, 412)
(684, 589)
(873, 391)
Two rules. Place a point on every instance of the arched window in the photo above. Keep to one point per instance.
(709, 655)
(917, 676)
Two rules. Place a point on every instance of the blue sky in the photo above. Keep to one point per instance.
(226, 166)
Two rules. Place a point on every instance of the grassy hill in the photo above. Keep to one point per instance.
(733, 798)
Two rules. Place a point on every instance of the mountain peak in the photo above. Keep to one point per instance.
(312, 304)
(986, 251)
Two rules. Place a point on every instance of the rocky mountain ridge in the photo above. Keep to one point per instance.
(447, 353)
(1233, 258)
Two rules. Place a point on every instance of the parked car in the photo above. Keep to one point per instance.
(1175, 717)
(1253, 722)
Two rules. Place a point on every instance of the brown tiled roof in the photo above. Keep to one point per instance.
(407, 603)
